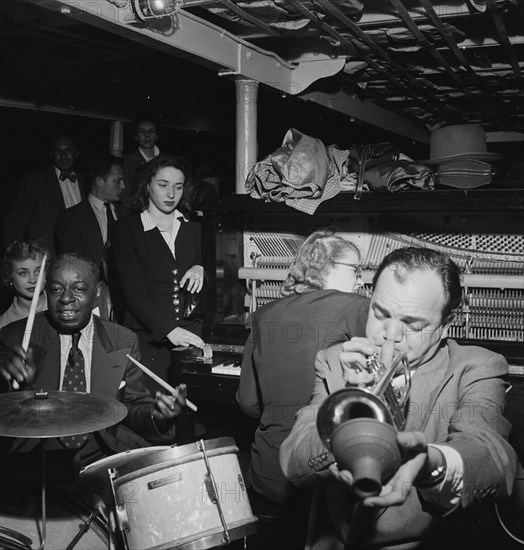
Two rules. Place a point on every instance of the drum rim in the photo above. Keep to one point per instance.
(91, 469)
(175, 455)
(212, 537)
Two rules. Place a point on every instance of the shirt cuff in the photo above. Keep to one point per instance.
(447, 495)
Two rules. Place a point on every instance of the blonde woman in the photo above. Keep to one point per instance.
(19, 271)
(319, 309)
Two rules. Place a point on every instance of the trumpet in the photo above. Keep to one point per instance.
(359, 425)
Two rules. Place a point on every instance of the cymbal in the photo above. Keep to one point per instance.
(42, 414)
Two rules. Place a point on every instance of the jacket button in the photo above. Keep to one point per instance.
(311, 463)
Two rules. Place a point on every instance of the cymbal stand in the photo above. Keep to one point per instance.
(43, 504)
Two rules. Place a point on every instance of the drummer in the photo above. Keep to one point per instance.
(72, 349)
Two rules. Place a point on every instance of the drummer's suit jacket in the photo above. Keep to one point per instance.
(36, 207)
(113, 376)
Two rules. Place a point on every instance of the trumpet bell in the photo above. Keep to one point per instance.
(368, 449)
(359, 426)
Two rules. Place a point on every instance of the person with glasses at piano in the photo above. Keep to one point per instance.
(158, 257)
(454, 447)
(319, 308)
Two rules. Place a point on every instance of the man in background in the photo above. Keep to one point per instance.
(42, 195)
(146, 136)
(85, 228)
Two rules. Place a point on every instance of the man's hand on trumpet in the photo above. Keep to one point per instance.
(353, 359)
(419, 459)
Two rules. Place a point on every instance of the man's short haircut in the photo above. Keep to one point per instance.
(73, 258)
(144, 117)
(19, 251)
(101, 165)
(413, 258)
(59, 136)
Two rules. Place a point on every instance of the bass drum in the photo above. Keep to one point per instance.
(21, 526)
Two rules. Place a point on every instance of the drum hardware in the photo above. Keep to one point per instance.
(212, 488)
(13, 540)
(43, 414)
(359, 425)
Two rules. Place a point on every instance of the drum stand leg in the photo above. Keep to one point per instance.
(44, 517)
(83, 529)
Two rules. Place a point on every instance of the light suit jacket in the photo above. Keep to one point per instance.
(457, 399)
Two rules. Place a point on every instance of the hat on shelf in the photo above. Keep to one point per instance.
(459, 142)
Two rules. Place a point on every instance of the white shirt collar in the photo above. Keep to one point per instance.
(149, 224)
(156, 152)
(96, 202)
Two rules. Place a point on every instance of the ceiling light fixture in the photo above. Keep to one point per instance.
(155, 9)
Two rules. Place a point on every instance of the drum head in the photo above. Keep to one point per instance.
(94, 478)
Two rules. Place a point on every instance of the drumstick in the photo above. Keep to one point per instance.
(34, 303)
(159, 380)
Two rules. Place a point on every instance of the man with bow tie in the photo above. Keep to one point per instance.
(44, 194)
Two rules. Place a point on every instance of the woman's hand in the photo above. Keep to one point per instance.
(194, 277)
(182, 337)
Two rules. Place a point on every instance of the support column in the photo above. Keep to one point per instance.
(116, 139)
(246, 130)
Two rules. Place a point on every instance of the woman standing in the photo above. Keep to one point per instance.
(20, 269)
(319, 310)
(158, 256)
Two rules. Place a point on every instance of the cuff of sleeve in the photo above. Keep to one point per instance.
(447, 494)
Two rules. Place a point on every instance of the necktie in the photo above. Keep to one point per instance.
(74, 380)
(110, 220)
(71, 176)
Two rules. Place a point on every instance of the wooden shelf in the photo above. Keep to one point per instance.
(490, 200)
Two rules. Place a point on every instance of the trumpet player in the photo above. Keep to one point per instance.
(454, 445)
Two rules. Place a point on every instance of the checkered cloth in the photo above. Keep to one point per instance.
(302, 173)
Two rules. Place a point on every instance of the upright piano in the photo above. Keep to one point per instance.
(249, 244)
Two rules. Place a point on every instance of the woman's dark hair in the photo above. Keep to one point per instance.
(146, 173)
(19, 251)
(412, 258)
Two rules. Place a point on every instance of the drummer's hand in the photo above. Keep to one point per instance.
(353, 360)
(20, 370)
(182, 337)
(193, 279)
(168, 407)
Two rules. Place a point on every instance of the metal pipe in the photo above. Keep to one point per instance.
(246, 130)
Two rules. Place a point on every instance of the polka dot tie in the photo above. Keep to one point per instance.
(74, 380)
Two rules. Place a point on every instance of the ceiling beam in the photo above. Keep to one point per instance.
(370, 113)
(190, 37)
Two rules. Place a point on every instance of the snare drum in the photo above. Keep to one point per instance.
(188, 497)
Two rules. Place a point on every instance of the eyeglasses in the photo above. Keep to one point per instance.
(356, 267)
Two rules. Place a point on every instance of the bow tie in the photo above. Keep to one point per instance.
(71, 176)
